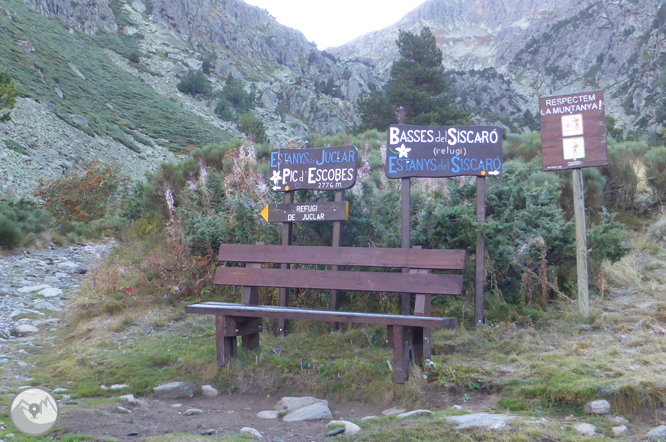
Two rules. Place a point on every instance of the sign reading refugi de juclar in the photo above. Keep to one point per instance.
(426, 151)
(328, 168)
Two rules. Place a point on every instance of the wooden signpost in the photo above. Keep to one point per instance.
(573, 136)
(441, 152)
(326, 169)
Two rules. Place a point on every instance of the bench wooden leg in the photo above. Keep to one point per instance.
(225, 346)
(418, 344)
(402, 339)
(423, 307)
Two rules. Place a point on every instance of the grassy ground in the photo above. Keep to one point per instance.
(546, 370)
(115, 103)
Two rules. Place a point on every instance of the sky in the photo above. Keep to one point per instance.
(335, 22)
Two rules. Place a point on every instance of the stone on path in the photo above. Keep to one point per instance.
(123, 410)
(350, 427)
(413, 413)
(193, 412)
(311, 412)
(294, 403)
(118, 386)
(60, 390)
(657, 434)
(586, 429)
(173, 390)
(252, 432)
(617, 431)
(268, 414)
(210, 391)
(488, 420)
(393, 411)
(45, 305)
(50, 292)
(128, 398)
(618, 420)
(32, 288)
(597, 407)
(25, 329)
(335, 431)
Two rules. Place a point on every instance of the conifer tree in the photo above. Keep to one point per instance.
(417, 83)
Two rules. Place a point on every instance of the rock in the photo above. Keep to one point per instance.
(79, 120)
(657, 434)
(50, 292)
(294, 403)
(210, 391)
(194, 63)
(268, 414)
(618, 420)
(480, 420)
(60, 391)
(335, 431)
(316, 411)
(31, 289)
(176, 405)
(193, 412)
(209, 432)
(252, 432)
(45, 305)
(456, 407)
(367, 418)
(586, 429)
(619, 430)
(173, 390)
(25, 329)
(597, 407)
(128, 398)
(393, 411)
(123, 410)
(413, 413)
(118, 387)
(349, 427)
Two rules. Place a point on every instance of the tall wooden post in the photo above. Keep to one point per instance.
(581, 243)
(405, 298)
(479, 317)
(289, 197)
(335, 242)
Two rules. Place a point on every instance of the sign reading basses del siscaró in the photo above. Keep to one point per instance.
(427, 151)
(328, 168)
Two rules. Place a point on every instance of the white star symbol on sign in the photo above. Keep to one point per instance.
(403, 151)
(276, 177)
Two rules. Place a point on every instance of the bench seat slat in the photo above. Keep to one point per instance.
(327, 280)
(271, 312)
(436, 259)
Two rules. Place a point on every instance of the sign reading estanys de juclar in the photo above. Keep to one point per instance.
(328, 168)
(426, 151)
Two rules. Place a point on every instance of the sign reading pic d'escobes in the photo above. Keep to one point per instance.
(437, 152)
(328, 168)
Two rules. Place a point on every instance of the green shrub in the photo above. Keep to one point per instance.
(10, 234)
(195, 84)
(8, 95)
(224, 111)
(253, 127)
(655, 171)
(622, 180)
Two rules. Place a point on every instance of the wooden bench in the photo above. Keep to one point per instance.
(408, 334)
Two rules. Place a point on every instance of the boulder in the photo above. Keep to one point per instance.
(350, 427)
(586, 429)
(294, 403)
(617, 431)
(311, 412)
(25, 329)
(393, 411)
(251, 432)
(210, 391)
(268, 414)
(413, 413)
(597, 407)
(173, 390)
(657, 434)
(487, 420)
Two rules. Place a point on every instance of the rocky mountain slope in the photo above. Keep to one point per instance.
(505, 54)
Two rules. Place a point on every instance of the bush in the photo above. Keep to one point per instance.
(655, 171)
(73, 197)
(10, 234)
(253, 127)
(622, 180)
(195, 84)
(8, 95)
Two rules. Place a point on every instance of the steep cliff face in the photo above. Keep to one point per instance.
(541, 47)
(87, 17)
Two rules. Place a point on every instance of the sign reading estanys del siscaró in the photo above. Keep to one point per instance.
(426, 151)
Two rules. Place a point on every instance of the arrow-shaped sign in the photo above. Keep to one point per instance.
(286, 213)
(493, 173)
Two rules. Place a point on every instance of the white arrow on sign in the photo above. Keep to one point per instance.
(494, 172)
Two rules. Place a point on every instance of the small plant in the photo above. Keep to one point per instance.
(195, 84)
(74, 197)
(253, 127)
(8, 95)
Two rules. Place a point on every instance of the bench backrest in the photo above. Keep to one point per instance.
(415, 258)
(415, 281)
